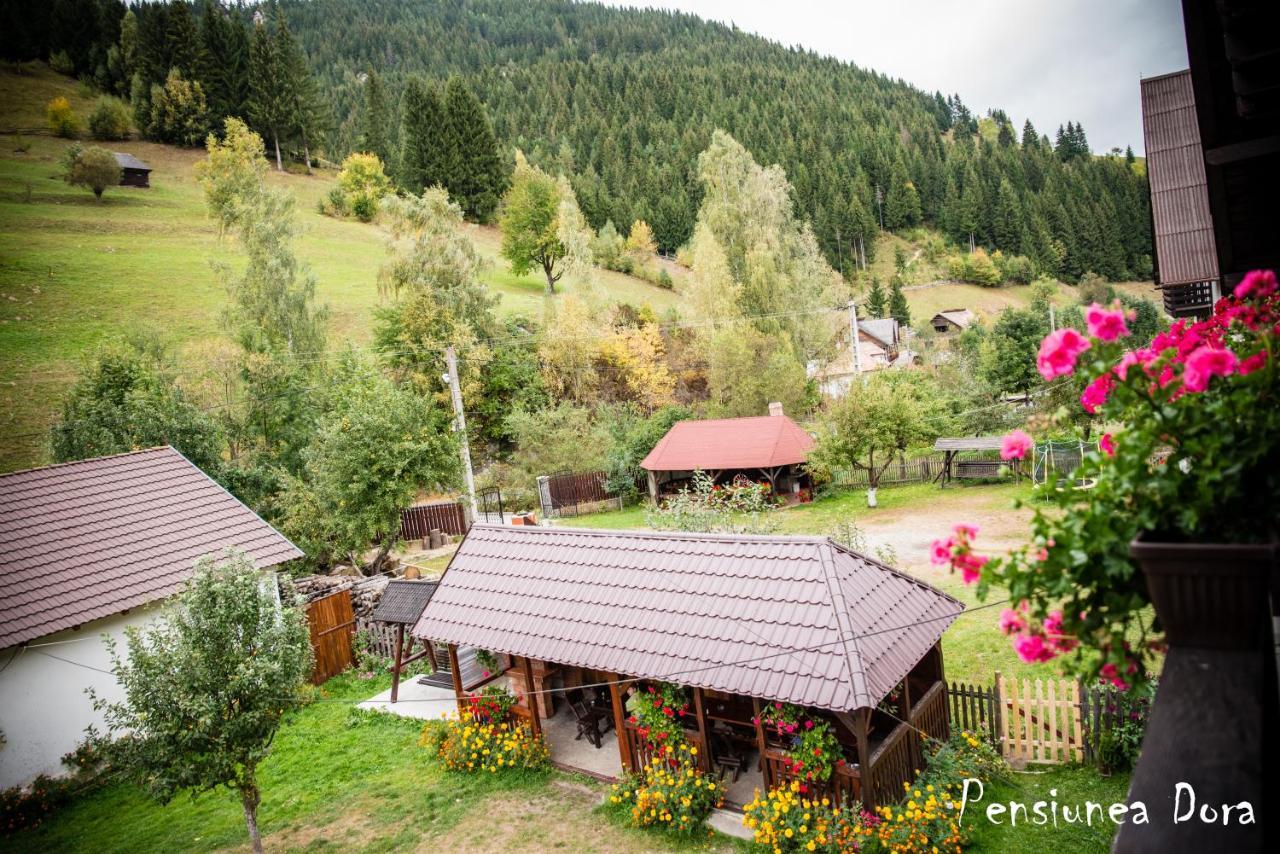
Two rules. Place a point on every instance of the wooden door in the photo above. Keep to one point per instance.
(332, 623)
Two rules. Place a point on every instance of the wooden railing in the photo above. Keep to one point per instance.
(929, 713)
(642, 751)
(892, 764)
(843, 787)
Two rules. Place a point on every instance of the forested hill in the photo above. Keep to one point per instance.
(624, 100)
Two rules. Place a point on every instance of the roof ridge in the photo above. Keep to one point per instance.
(152, 449)
(882, 565)
(650, 533)
(844, 626)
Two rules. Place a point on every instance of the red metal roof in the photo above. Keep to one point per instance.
(85, 540)
(796, 619)
(1185, 249)
(730, 443)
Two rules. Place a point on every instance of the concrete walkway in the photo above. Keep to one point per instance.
(425, 702)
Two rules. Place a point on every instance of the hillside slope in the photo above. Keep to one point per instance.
(74, 272)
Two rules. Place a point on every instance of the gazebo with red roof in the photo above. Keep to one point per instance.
(770, 447)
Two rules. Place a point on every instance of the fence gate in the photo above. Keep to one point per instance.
(1040, 721)
(332, 623)
(490, 501)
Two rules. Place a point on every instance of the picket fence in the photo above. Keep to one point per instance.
(1046, 721)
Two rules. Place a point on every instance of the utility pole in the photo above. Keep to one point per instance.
(1053, 325)
(853, 333)
(460, 427)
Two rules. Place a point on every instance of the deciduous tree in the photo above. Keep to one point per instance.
(207, 685)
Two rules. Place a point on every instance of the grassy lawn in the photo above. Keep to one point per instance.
(1073, 786)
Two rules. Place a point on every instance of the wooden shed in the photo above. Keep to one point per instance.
(133, 172)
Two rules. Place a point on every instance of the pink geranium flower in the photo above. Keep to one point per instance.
(1261, 283)
(1106, 324)
(1207, 362)
(940, 552)
(1059, 351)
(1252, 363)
(1011, 621)
(1128, 360)
(1015, 445)
(1032, 649)
(1095, 393)
(970, 566)
(967, 532)
(1107, 445)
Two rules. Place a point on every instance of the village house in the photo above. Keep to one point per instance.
(769, 448)
(88, 550)
(582, 618)
(952, 321)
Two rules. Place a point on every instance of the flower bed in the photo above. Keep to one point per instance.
(786, 820)
(670, 794)
(814, 750)
(472, 742)
(658, 713)
(928, 819)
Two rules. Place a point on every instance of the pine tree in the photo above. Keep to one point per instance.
(308, 114)
(375, 119)
(473, 170)
(181, 40)
(876, 306)
(898, 308)
(215, 65)
(238, 64)
(1030, 141)
(1007, 222)
(421, 136)
(269, 106)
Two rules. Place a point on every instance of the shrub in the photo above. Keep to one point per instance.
(786, 820)
(95, 168)
(1016, 268)
(976, 268)
(334, 203)
(62, 120)
(670, 793)
(469, 745)
(24, 807)
(110, 119)
(664, 279)
(1093, 288)
(61, 62)
(179, 112)
(363, 183)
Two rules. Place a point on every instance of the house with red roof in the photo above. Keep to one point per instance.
(769, 448)
(88, 550)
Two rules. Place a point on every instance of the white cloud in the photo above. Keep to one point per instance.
(1077, 60)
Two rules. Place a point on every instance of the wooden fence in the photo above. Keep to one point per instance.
(916, 470)
(1045, 721)
(569, 493)
(448, 516)
(331, 624)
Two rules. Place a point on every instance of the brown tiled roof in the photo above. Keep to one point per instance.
(1185, 249)
(403, 600)
(762, 441)
(85, 540)
(796, 619)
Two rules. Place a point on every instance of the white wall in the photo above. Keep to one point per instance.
(43, 705)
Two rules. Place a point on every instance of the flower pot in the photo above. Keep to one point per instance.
(1208, 595)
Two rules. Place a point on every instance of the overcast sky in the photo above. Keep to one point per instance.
(1047, 60)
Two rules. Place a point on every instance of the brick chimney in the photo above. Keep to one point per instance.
(775, 409)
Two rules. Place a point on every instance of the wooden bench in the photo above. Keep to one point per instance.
(978, 468)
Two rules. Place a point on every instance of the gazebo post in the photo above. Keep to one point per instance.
(861, 718)
(530, 697)
(704, 760)
(457, 677)
(764, 764)
(395, 669)
(619, 723)
(653, 486)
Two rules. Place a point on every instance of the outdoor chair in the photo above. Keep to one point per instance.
(726, 756)
(587, 717)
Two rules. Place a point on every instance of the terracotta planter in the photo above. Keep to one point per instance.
(1208, 595)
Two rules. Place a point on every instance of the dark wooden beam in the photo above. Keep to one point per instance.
(395, 668)
(704, 759)
(764, 765)
(861, 719)
(620, 723)
(531, 697)
(457, 677)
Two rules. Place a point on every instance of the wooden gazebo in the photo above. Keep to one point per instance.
(738, 621)
(400, 606)
(985, 466)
